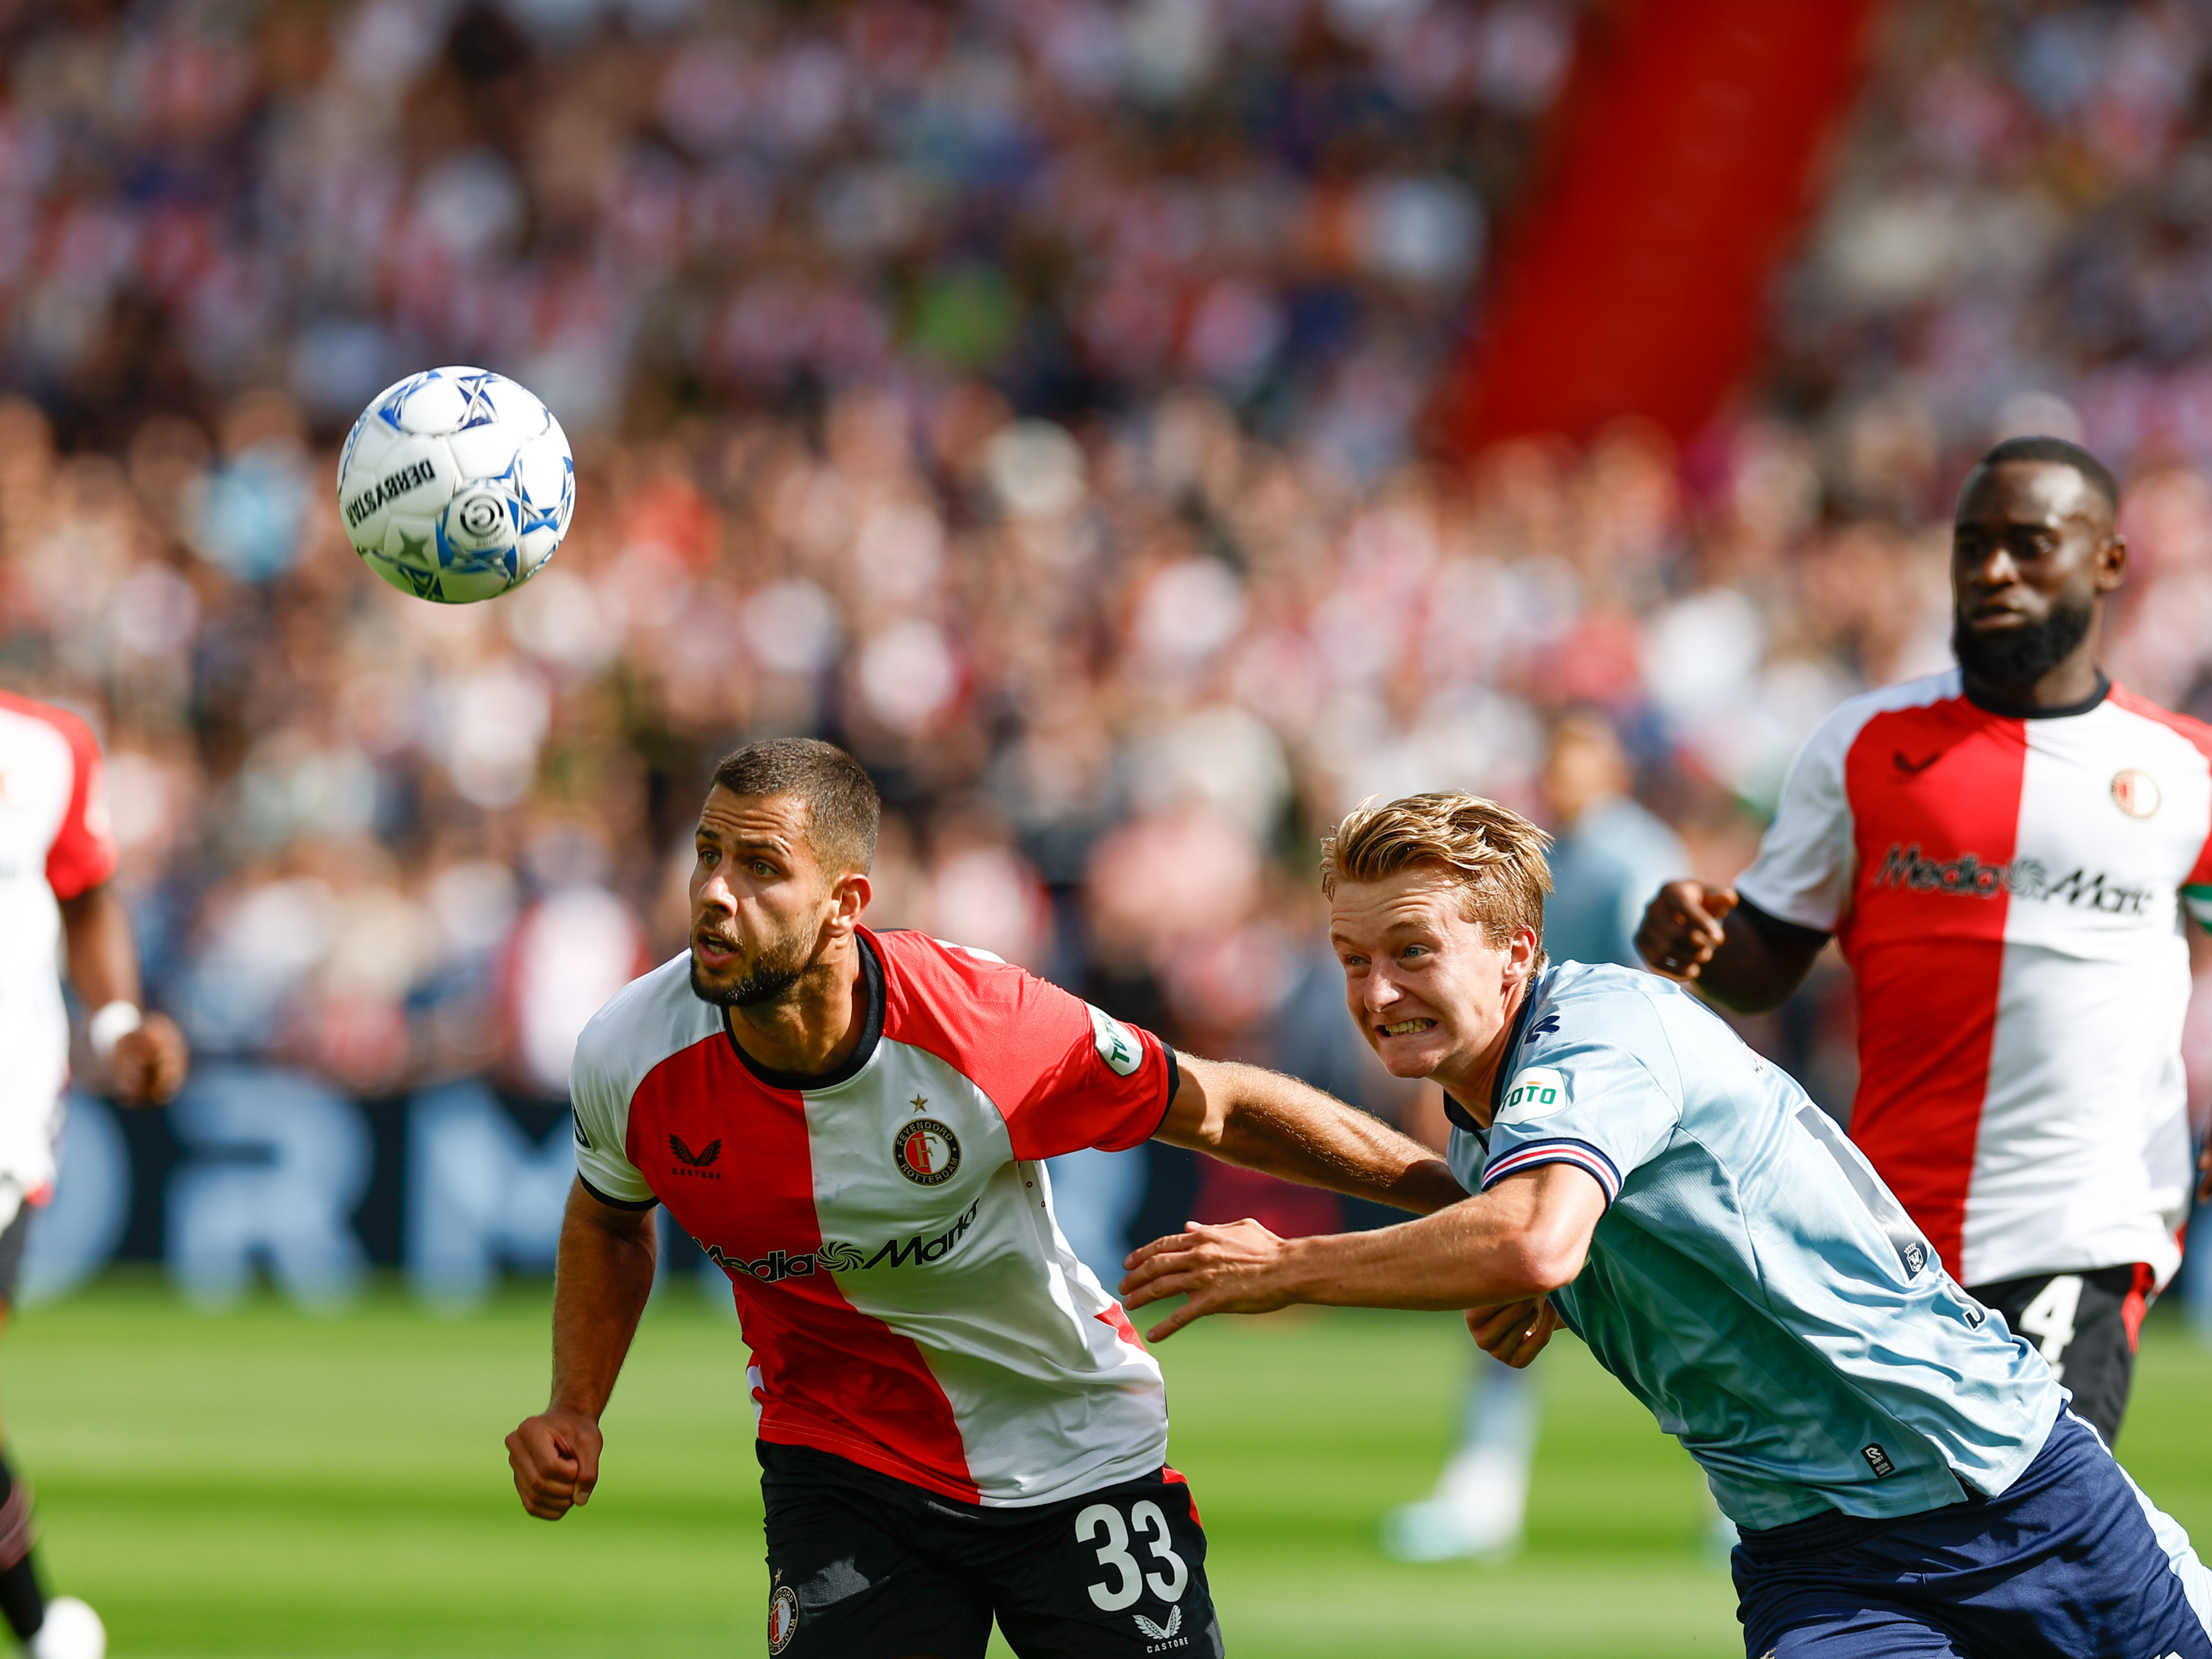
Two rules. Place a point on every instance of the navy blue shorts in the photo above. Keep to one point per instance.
(2071, 1563)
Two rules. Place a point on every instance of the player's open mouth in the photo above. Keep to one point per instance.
(1407, 1027)
(712, 953)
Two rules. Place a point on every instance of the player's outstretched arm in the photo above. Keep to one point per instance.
(600, 1285)
(1689, 935)
(147, 1060)
(1513, 1245)
(1264, 1121)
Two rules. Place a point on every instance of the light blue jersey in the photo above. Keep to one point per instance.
(1752, 1280)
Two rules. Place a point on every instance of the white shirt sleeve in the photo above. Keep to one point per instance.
(1803, 871)
(601, 1108)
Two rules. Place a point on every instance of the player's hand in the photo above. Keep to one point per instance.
(1515, 1333)
(148, 1065)
(1682, 927)
(1224, 1269)
(555, 1459)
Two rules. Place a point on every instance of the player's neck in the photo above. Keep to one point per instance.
(816, 1027)
(1474, 1083)
(2069, 684)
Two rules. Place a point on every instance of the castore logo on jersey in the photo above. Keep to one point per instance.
(836, 1256)
(689, 1162)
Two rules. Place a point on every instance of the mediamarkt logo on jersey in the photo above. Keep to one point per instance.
(835, 1257)
(1967, 877)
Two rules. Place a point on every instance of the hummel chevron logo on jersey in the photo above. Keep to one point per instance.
(1159, 1632)
(1913, 768)
(1547, 1026)
(691, 1160)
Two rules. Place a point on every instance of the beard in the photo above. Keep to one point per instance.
(767, 979)
(2021, 656)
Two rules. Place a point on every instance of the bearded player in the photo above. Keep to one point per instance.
(956, 1424)
(1905, 1475)
(1999, 851)
(56, 858)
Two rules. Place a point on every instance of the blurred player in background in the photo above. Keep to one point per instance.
(56, 858)
(1608, 855)
(957, 1423)
(1904, 1471)
(1999, 851)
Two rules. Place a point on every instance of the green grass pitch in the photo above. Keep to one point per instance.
(268, 1483)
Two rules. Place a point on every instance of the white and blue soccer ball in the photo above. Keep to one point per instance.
(456, 484)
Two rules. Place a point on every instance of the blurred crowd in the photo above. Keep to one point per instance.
(1027, 396)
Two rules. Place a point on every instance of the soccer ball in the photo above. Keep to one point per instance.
(456, 484)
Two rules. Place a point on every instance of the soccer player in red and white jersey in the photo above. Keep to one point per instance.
(2004, 853)
(56, 857)
(957, 1423)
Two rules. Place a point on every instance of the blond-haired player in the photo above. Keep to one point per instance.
(1904, 1472)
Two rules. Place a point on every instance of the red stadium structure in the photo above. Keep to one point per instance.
(1684, 161)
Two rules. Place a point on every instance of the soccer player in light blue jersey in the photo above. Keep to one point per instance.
(1906, 1473)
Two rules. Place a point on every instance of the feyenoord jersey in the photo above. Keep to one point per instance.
(54, 844)
(2008, 891)
(888, 1227)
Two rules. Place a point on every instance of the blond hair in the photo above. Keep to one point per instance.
(1496, 855)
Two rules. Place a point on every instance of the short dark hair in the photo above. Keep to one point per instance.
(2098, 475)
(842, 807)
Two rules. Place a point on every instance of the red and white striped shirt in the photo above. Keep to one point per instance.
(908, 1298)
(2008, 890)
(54, 843)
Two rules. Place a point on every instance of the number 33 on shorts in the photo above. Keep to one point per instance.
(1131, 1572)
(1112, 1595)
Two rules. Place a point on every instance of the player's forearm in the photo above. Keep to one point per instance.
(1275, 1124)
(103, 956)
(1751, 974)
(1443, 1262)
(602, 1282)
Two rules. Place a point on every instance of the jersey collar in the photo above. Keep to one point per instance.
(871, 1033)
(1458, 1113)
(2018, 711)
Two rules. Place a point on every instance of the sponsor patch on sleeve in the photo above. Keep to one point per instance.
(1118, 1045)
(1534, 1091)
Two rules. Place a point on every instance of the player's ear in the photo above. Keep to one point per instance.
(2112, 562)
(850, 894)
(1522, 952)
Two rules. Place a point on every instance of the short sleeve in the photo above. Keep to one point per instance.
(1802, 873)
(600, 1121)
(1596, 1108)
(83, 854)
(1097, 1082)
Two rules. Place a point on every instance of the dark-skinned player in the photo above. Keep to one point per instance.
(2005, 853)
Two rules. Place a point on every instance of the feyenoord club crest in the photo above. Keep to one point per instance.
(927, 1151)
(2135, 792)
(782, 1618)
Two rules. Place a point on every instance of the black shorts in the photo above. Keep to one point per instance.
(12, 1238)
(862, 1566)
(2086, 1325)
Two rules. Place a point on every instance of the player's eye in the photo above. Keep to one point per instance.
(707, 855)
(764, 870)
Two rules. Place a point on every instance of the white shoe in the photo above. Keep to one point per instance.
(1434, 1530)
(72, 1630)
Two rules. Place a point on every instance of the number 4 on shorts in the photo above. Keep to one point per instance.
(1129, 1580)
(2051, 1318)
